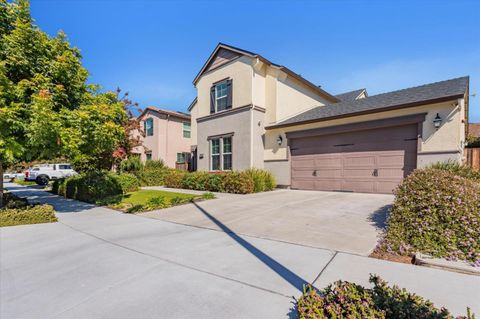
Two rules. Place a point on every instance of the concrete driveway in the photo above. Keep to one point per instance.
(98, 263)
(346, 222)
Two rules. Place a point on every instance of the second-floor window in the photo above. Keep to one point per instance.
(221, 96)
(187, 129)
(148, 127)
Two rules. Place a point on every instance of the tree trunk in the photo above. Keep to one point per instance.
(1, 185)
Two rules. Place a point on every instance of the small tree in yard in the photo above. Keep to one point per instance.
(47, 109)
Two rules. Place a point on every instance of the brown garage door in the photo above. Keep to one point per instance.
(370, 161)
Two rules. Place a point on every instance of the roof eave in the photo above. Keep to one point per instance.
(379, 110)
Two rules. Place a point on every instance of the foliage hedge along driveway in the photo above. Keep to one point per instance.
(245, 182)
(344, 300)
(437, 211)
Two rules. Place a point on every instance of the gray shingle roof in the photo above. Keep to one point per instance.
(443, 90)
(349, 96)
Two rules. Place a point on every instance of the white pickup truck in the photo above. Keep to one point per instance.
(42, 174)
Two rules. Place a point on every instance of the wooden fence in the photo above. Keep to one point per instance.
(473, 158)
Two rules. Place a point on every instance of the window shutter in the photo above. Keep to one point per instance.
(212, 99)
(229, 94)
(145, 127)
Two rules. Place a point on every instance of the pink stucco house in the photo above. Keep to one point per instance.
(167, 136)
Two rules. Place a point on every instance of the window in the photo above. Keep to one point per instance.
(187, 129)
(215, 152)
(181, 157)
(221, 96)
(64, 167)
(148, 127)
(148, 156)
(227, 153)
(221, 154)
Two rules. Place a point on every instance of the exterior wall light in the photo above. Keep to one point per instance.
(279, 140)
(437, 121)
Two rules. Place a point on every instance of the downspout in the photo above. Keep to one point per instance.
(166, 139)
(251, 136)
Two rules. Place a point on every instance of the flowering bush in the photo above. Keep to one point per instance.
(438, 213)
(348, 300)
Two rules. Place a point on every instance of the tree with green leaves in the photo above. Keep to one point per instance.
(47, 109)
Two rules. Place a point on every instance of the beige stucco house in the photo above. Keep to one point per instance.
(166, 135)
(250, 112)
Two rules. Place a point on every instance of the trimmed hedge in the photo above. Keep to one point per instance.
(344, 300)
(229, 182)
(94, 186)
(438, 213)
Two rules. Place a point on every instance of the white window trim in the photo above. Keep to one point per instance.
(221, 97)
(220, 154)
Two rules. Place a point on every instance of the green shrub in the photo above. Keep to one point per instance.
(238, 183)
(155, 165)
(32, 214)
(195, 180)
(56, 185)
(135, 209)
(208, 195)
(215, 182)
(91, 187)
(128, 182)
(458, 169)
(133, 164)
(262, 180)
(157, 202)
(175, 179)
(344, 300)
(438, 213)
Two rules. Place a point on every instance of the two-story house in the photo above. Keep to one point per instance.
(166, 136)
(250, 112)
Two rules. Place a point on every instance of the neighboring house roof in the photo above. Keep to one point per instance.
(179, 115)
(220, 46)
(350, 96)
(190, 107)
(429, 93)
(474, 129)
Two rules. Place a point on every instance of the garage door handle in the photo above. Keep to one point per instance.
(314, 173)
(375, 172)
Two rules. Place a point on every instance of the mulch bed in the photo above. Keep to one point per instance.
(379, 254)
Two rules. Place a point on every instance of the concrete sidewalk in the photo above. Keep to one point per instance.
(98, 263)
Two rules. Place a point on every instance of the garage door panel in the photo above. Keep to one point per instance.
(359, 160)
(372, 161)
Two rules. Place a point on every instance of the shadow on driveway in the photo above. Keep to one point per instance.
(281, 270)
(379, 217)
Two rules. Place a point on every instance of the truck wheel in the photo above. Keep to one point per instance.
(42, 180)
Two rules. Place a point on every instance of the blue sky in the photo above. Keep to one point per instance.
(154, 49)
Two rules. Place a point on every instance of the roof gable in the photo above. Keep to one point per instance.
(224, 53)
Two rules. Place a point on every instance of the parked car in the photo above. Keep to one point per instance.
(42, 174)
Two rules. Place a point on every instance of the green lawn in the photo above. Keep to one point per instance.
(145, 200)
